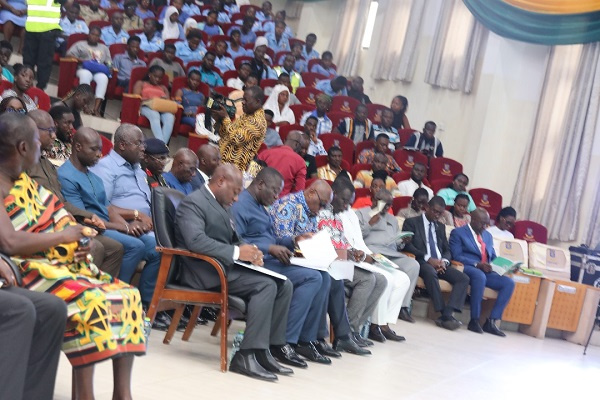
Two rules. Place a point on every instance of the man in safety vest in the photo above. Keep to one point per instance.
(288, 67)
(41, 30)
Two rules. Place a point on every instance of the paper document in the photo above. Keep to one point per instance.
(502, 265)
(401, 235)
(378, 209)
(384, 261)
(262, 270)
(319, 254)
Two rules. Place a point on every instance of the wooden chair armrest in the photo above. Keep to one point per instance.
(407, 254)
(132, 96)
(458, 265)
(68, 59)
(186, 253)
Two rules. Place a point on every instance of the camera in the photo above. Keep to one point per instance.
(217, 100)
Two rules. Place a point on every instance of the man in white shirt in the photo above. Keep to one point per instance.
(408, 187)
(505, 221)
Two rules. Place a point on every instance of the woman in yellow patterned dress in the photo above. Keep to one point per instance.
(104, 314)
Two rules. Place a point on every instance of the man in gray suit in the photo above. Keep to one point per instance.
(203, 225)
(379, 232)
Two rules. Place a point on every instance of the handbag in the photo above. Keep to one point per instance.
(95, 67)
(161, 105)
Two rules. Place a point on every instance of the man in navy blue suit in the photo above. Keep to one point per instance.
(473, 246)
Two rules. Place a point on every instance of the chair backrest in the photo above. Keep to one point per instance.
(285, 129)
(265, 83)
(308, 95)
(117, 48)
(294, 40)
(300, 109)
(487, 199)
(362, 192)
(359, 167)
(181, 82)
(98, 24)
(137, 74)
(366, 144)
(400, 202)
(137, 32)
(554, 262)
(531, 232)
(335, 139)
(345, 104)
(374, 112)
(240, 60)
(215, 38)
(515, 250)
(401, 176)
(74, 38)
(406, 159)
(244, 9)
(337, 116)
(224, 90)
(39, 97)
(278, 57)
(405, 134)
(310, 79)
(442, 167)
(199, 18)
(311, 63)
(107, 145)
(438, 184)
(164, 205)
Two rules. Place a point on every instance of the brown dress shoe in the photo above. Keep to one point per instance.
(405, 315)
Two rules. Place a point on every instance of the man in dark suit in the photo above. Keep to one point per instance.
(209, 158)
(473, 246)
(203, 225)
(430, 247)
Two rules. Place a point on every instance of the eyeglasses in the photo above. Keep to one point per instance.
(49, 130)
(162, 159)
(18, 111)
(322, 204)
(139, 144)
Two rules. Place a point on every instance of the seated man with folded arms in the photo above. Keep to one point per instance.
(505, 221)
(203, 225)
(85, 189)
(358, 129)
(107, 252)
(379, 233)
(185, 164)
(333, 168)
(473, 246)
(253, 224)
(426, 142)
(382, 143)
(430, 247)
(295, 215)
(209, 158)
(367, 286)
(408, 187)
(126, 62)
(378, 169)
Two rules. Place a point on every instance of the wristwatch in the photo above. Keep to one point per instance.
(136, 214)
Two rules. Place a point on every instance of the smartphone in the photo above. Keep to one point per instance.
(84, 242)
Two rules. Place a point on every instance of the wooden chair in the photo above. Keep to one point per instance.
(335, 139)
(164, 205)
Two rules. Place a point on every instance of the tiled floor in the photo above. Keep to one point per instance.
(431, 364)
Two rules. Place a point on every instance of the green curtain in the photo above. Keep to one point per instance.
(536, 27)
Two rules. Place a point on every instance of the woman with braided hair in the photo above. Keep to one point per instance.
(80, 99)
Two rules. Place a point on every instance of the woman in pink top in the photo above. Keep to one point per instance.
(151, 87)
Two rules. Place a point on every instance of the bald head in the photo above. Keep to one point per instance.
(46, 127)
(480, 219)
(40, 116)
(294, 140)
(209, 158)
(129, 143)
(19, 142)
(318, 196)
(87, 148)
(226, 184)
(85, 134)
(184, 166)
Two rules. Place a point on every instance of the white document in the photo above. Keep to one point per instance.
(367, 267)
(318, 248)
(341, 269)
(380, 206)
(262, 270)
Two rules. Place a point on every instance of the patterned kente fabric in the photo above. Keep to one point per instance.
(241, 139)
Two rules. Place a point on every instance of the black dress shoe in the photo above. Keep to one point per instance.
(325, 349)
(309, 351)
(474, 326)
(249, 366)
(405, 315)
(187, 312)
(490, 327)
(162, 320)
(209, 313)
(390, 334)
(449, 323)
(375, 334)
(359, 340)
(349, 346)
(266, 360)
(287, 355)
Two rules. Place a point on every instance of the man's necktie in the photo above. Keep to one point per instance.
(483, 252)
(432, 246)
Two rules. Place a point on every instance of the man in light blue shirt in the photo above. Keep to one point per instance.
(270, 26)
(277, 39)
(334, 87)
(222, 61)
(127, 61)
(247, 35)
(192, 49)
(183, 170)
(150, 39)
(190, 8)
(114, 33)
(324, 124)
(308, 52)
(70, 24)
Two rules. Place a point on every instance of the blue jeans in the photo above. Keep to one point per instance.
(136, 250)
(479, 280)
(167, 119)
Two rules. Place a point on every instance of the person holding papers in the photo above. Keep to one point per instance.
(473, 246)
(431, 250)
(253, 224)
(296, 214)
(203, 225)
(381, 233)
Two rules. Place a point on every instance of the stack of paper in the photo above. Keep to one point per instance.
(319, 254)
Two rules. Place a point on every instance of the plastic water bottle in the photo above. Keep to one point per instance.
(147, 329)
(237, 342)
(364, 332)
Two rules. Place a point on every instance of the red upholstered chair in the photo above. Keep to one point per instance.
(345, 104)
(199, 18)
(405, 134)
(98, 24)
(107, 145)
(5, 85)
(323, 160)
(240, 15)
(406, 159)
(227, 75)
(531, 232)
(359, 167)
(195, 141)
(314, 61)
(487, 199)
(39, 97)
(181, 82)
(285, 129)
(347, 145)
(224, 90)
(375, 112)
(401, 176)
(215, 38)
(240, 60)
(336, 117)
(227, 26)
(442, 167)
(278, 56)
(244, 9)
(300, 109)
(362, 192)
(265, 83)
(262, 148)
(294, 40)
(310, 79)
(136, 32)
(440, 184)
(367, 144)
(173, 41)
(399, 203)
(307, 95)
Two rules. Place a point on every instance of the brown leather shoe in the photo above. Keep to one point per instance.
(405, 315)
(390, 334)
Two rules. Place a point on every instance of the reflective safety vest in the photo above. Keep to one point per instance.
(42, 16)
(294, 78)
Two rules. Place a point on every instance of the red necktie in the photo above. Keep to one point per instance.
(483, 252)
